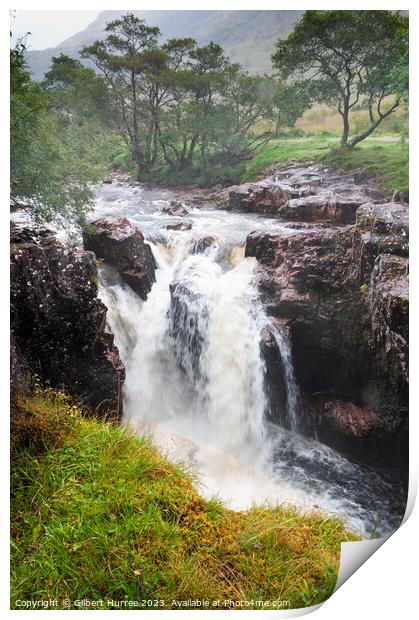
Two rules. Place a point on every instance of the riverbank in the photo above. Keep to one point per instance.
(91, 502)
(382, 160)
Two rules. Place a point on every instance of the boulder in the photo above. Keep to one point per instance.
(261, 196)
(176, 209)
(58, 324)
(200, 245)
(122, 245)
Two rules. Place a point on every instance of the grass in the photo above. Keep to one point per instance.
(91, 503)
(386, 162)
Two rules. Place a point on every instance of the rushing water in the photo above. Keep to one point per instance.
(195, 375)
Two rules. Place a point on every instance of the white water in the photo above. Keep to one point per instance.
(293, 394)
(195, 377)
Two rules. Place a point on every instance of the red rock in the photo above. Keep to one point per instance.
(122, 245)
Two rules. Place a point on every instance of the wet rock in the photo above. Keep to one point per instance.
(188, 321)
(349, 419)
(200, 245)
(303, 193)
(180, 226)
(123, 246)
(275, 386)
(387, 218)
(261, 196)
(360, 432)
(58, 324)
(176, 209)
(346, 304)
(325, 205)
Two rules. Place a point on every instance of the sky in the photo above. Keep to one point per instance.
(49, 28)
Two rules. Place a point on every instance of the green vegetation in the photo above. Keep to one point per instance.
(91, 503)
(386, 162)
(348, 59)
(177, 113)
(58, 148)
(179, 103)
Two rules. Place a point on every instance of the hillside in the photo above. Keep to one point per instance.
(248, 37)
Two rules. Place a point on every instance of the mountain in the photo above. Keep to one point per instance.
(247, 37)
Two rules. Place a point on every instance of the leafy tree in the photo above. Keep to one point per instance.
(346, 58)
(123, 57)
(77, 90)
(54, 159)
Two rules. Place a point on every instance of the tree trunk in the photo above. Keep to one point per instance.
(372, 127)
(346, 126)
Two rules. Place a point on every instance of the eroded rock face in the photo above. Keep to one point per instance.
(58, 323)
(346, 304)
(122, 245)
(301, 193)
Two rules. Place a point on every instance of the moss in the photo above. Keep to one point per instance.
(97, 502)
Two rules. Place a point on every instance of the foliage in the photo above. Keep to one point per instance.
(347, 58)
(99, 502)
(56, 152)
(181, 103)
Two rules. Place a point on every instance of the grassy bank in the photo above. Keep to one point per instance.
(386, 162)
(91, 503)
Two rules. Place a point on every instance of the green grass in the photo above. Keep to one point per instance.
(385, 161)
(87, 496)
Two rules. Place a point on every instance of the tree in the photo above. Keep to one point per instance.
(346, 58)
(54, 159)
(123, 58)
(77, 90)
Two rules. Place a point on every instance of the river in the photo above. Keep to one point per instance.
(195, 374)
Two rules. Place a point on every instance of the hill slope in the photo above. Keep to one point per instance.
(248, 37)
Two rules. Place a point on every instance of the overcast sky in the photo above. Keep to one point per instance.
(49, 28)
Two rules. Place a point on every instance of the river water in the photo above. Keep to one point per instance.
(195, 375)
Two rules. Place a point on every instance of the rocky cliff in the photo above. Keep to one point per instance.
(58, 324)
(343, 292)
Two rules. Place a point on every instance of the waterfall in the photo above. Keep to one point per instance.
(195, 352)
(293, 394)
(195, 378)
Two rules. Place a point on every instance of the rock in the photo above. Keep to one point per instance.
(123, 246)
(18, 372)
(261, 196)
(187, 327)
(360, 432)
(389, 219)
(58, 323)
(275, 386)
(349, 419)
(325, 205)
(346, 305)
(303, 193)
(176, 209)
(180, 226)
(200, 245)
